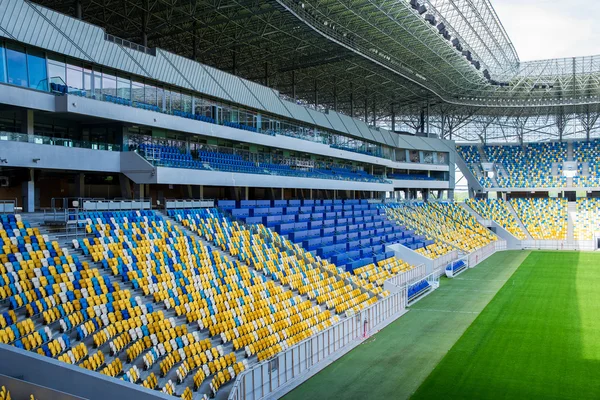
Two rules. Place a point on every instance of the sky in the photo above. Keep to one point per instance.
(541, 29)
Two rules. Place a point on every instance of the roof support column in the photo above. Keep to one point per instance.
(367, 108)
(335, 99)
(351, 101)
(234, 62)
(374, 112)
(294, 85)
(316, 89)
(194, 42)
(145, 23)
(78, 10)
(267, 73)
(393, 117)
(422, 121)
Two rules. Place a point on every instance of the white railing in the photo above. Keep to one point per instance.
(7, 206)
(442, 261)
(481, 254)
(206, 203)
(411, 275)
(116, 205)
(558, 244)
(296, 364)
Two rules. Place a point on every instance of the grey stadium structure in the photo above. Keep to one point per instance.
(211, 198)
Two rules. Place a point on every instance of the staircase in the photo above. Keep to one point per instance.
(571, 215)
(521, 224)
(585, 169)
(570, 151)
(482, 154)
(554, 170)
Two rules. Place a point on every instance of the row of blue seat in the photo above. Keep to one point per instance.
(418, 289)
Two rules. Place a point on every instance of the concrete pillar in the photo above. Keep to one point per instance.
(190, 192)
(28, 192)
(125, 184)
(78, 10)
(27, 123)
(80, 185)
(138, 191)
(201, 192)
(282, 194)
(311, 194)
(246, 193)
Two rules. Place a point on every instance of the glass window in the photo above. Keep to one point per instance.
(175, 101)
(109, 85)
(137, 91)
(16, 62)
(87, 79)
(74, 76)
(2, 66)
(400, 155)
(57, 71)
(36, 66)
(124, 88)
(414, 156)
(187, 103)
(97, 84)
(160, 97)
(150, 95)
(428, 157)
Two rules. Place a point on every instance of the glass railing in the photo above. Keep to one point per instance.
(54, 141)
(276, 127)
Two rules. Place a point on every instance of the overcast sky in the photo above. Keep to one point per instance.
(542, 29)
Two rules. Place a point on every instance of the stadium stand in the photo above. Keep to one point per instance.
(544, 218)
(172, 156)
(497, 210)
(587, 219)
(529, 166)
(447, 222)
(587, 152)
(350, 233)
(472, 158)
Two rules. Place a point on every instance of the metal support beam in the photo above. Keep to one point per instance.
(78, 10)
(267, 83)
(393, 117)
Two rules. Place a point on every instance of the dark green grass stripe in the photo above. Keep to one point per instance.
(394, 362)
(538, 339)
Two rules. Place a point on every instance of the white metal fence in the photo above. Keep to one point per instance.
(115, 205)
(481, 254)
(409, 276)
(172, 203)
(296, 364)
(558, 244)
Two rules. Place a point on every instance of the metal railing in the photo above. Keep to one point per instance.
(57, 141)
(418, 272)
(191, 203)
(7, 206)
(298, 362)
(587, 245)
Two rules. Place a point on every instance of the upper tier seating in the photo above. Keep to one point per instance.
(587, 219)
(172, 156)
(473, 160)
(497, 210)
(587, 153)
(543, 218)
(446, 222)
(530, 165)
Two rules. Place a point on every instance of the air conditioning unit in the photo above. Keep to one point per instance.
(4, 181)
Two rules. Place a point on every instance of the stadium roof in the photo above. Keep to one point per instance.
(365, 58)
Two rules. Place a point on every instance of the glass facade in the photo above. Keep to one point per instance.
(2, 64)
(16, 62)
(36, 70)
(31, 68)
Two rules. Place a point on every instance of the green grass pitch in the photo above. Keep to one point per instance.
(519, 326)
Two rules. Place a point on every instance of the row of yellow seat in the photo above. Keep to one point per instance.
(544, 218)
(497, 210)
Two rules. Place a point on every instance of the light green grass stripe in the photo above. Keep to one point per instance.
(538, 339)
(394, 362)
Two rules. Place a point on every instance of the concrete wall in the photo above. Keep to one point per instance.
(56, 375)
